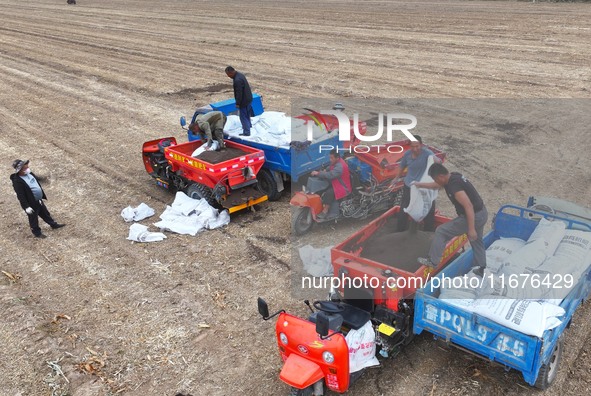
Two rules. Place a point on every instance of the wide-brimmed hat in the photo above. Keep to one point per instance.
(18, 165)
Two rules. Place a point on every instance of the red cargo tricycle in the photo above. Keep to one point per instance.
(314, 351)
(224, 178)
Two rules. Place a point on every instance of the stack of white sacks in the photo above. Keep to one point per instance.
(525, 281)
(275, 129)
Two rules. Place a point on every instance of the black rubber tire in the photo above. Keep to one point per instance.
(309, 391)
(301, 220)
(549, 370)
(200, 191)
(267, 185)
(411, 335)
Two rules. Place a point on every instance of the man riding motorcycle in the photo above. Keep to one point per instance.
(339, 176)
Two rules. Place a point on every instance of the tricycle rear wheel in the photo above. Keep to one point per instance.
(301, 220)
(549, 370)
(200, 191)
(267, 185)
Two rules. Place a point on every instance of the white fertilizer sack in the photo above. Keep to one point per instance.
(531, 317)
(529, 257)
(421, 199)
(498, 252)
(362, 348)
(551, 232)
(201, 149)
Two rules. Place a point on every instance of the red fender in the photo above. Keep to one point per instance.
(313, 201)
(300, 372)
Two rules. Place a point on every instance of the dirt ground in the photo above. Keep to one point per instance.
(86, 312)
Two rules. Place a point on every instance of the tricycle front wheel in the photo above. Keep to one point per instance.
(309, 391)
(301, 220)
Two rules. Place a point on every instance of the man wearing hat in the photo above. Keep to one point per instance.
(31, 196)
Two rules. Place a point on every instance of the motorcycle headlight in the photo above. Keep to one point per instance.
(283, 338)
(328, 357)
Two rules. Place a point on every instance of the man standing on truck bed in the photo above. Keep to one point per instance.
(472, 216)
(415, 161)
(209, 126)
(243, 97)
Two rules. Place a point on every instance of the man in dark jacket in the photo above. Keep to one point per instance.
(243, 97)
(31, 196)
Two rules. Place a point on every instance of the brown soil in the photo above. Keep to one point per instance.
(86, 312)
(399, 249)
(215, 157)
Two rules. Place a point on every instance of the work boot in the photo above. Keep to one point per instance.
(321, 215)
(426, 262)
(479, 271)
(57, 225)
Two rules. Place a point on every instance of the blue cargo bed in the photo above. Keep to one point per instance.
(490, 340)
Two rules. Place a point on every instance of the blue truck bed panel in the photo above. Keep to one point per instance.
(229, 106)
(294, 161)
(482, 336)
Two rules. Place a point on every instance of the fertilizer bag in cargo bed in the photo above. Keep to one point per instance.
(570, 261)
(531, 317)
(421, 199)
(499, 252)
(549, 231)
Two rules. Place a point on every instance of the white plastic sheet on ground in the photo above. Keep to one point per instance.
(421, 199)
(316, 260)
(275, 129)
(140, 233)
(362, 348)
(143, 211)
(190, 216)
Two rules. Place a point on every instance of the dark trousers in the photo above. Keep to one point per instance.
(34, 219)
(428, 221)
(459, 226)
(328, 196)
(245, 114)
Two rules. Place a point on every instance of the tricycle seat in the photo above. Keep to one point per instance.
(353, 317)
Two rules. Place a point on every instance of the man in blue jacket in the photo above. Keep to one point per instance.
(31, 196)
(243, 97)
